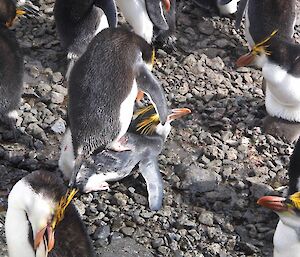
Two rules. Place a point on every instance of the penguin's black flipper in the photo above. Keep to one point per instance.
(149, 84)
(294, 171)
(151, 173)
(240, 13)
(110, 10)
(155, 12)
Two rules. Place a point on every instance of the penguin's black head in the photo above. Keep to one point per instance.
(259, 49)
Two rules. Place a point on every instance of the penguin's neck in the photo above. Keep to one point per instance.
(294, 170)
(286, 241)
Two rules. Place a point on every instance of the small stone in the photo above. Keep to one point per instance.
(102, 232)
(57, 98)
(127, 231)
(57, 77)
(206, 218)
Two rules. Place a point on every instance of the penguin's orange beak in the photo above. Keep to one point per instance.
(245, 60)
(274, 203)
(46, 234)
(178, 113)
(167, 4)
(140, 96)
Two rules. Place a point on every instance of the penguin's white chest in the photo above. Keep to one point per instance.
(136, 15)
(282, 92)
(286, 242)
(126, 110)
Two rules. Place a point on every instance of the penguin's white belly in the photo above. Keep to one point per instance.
(286, 242)
(67, 159)
(126, 110)
(282, 93)
(229, 8)
(136, 15)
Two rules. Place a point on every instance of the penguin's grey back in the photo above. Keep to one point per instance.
(99, 82)
(265, 16)
(11, 72)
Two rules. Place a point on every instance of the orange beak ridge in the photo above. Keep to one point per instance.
(274, 203)
(245, 60)
(178, 113)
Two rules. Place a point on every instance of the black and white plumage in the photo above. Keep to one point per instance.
(145, 15)
(77, 22)
(104, 166)
(287, 234)
(32, 203)
(262, 17)
(11, 66)
(103, 87)
(279, 57)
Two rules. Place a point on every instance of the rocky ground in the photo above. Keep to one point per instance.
(216, 164)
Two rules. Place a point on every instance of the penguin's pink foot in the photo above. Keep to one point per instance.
(120, 145)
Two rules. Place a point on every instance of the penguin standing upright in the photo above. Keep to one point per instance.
(11, 66)
(102, 89)
(286, 239)
(144, 15)
(274, 50)
(146, 137)
(41, 221)
(77, 22)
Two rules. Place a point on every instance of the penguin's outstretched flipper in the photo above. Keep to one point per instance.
(240, 13)
(151, 173)
(150, 85)
(156, 14)
(110, 10)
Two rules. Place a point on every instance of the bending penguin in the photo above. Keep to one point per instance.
(286, 239)
(103, 86)
(77, 22)
(145, 137)
(11, 68)
(145, 15)
(38, 206)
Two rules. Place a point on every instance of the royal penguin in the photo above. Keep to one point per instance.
(11, 66)
(145, 15)
(41, 221)
(166, 37)
(77, 22)
(103, 86)
(286, 239)
(262, 17)
(280, 62)
(146, 137)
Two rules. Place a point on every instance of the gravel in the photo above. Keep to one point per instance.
(216, 163)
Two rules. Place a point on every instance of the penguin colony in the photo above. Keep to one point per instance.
(108, 136)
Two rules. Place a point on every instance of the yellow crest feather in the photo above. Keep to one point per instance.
(143, 110)
(295, 198)
(148, 125)
(62, 205)
(261, 47)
